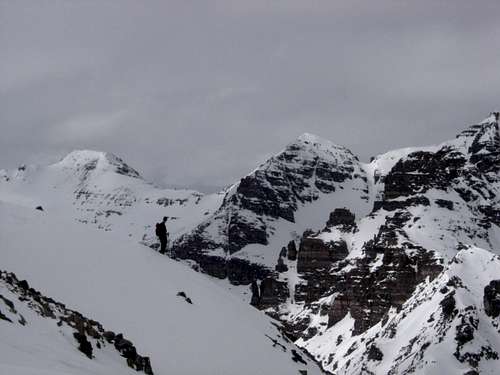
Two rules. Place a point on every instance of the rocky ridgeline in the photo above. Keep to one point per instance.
(88, 334)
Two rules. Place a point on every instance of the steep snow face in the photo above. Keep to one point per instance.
(442, 328)
(102, 190)
(294, 190)
(134, 290)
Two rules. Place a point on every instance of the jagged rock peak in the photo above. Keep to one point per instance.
(316, 141)
(91, 159)
(309, 145)
(312, 138)
(492, 118)
(488, 126)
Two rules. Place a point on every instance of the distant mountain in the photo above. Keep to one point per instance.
(359, 262)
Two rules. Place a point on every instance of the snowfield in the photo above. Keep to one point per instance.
(132, 289)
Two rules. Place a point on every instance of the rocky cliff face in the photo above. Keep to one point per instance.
(442, 327)
(425, 205)
(254, 209)
(430, 204)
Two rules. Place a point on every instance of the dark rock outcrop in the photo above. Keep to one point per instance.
(238, 271)
(272, 293)
(281, 266)
(84, 345)
(342, 217)
(448, 305)
(491, 299)
(368, 293)
(89, 334)
(292, 251)
(375, 354)
(314, 254)
(254, 288)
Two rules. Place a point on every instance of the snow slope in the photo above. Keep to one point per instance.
(100, 189)
(39, 336)
(130, 288)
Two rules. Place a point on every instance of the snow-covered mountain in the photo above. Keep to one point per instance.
(100, 189)
(351, 258)
(376, 232)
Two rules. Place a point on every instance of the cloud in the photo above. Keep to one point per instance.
(88, 126)
(196, 93)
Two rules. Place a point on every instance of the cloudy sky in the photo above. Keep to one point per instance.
(199, 92)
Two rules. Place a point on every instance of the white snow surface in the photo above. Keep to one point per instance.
(98, 188)
(41, 347)
(131, 289)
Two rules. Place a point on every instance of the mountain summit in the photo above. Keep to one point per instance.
(89, 160)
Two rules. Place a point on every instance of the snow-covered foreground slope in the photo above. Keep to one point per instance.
(131, 289)
(42, 336)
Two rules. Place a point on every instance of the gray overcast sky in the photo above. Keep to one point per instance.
(199, 92)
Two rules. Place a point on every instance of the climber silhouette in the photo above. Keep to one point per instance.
(161, 232)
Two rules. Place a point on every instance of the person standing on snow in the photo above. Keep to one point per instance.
(161, 232)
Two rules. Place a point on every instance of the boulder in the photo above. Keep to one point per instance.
(292, 251)
(341, 217)
(448, 305)
(315, 254)
(272, 293)
(281, 266)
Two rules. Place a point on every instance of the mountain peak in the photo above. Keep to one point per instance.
(309, 137)
(92, 159)
(492, 118)
(317, 142)
(313, 139)
(483, 131)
